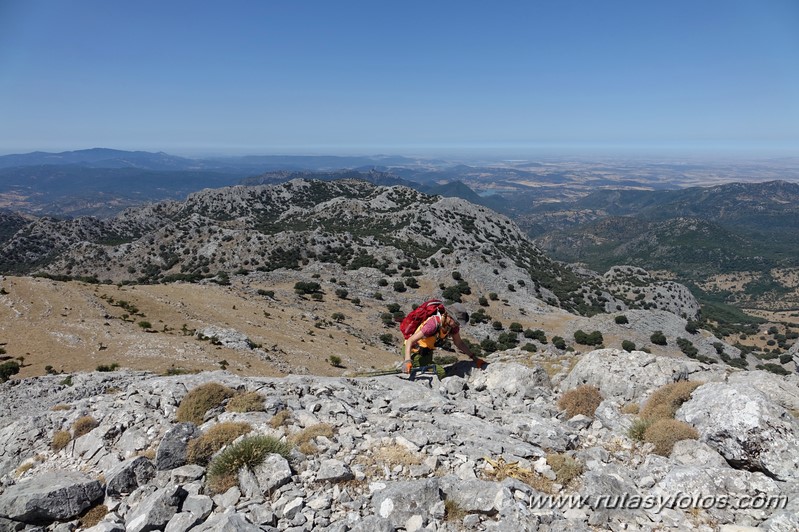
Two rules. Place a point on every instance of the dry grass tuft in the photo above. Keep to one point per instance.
(60, 440)
(200, 400)
(630, 408)
(666, 400)
(500, 470)
(664, 433)
(201, 449)
(387, 457)
(83, 425)
(93, 516)
(638, 428)
(565, 467)
(148, 453)
(453, 512)
(280, 418)
(246, 402)
(59, 408)
(304, 439)
(23, 468)
(581, 400)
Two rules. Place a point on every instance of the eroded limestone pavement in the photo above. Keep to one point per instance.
(468, 452)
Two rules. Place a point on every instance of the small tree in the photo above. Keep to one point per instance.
(335, 361)
(658, 338)
(497, 325)
(342, 293)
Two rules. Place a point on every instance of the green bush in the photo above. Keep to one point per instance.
(8, 368)
(622, 319)
(627, 345)
(515, 327)
(658, 338)
(307, 287)
(496, 325)
(559, 342)
(583, 338)
(109, 367)
(399, 286)
(248, 452)
(200, 400)
(335, 361)
(387, 338)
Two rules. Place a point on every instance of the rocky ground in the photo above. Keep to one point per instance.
(478, 450)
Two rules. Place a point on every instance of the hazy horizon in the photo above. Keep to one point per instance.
(432, 79)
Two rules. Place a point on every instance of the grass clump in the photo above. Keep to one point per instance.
(664, 433)
(83, 425)
(201, 449)
(249, 452)
(246, 402)
(200, 400)
(60, 408)
(304, 439)
(93, 516)
(630, 408)
(581, 400)
(60, 440)
(453, 512)
(565, 467)
(280, 418)
(638, 428)
(666, 400)
(500, 470)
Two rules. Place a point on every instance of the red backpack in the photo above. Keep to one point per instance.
(416, 317)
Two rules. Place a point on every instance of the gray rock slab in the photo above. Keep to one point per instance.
(476, 496)
(332, 470)
(171, 451)
(49, 497)
(155, 511)
(227, 522)
(399, 501)
(181, 522)
(128, 475)
(746, 428)
(272, 473)
(632, 376)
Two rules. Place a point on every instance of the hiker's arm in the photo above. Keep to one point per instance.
(461, 345)
(415, 337)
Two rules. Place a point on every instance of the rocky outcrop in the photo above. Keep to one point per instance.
(477, 450)
(749, 430)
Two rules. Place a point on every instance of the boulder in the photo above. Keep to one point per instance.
(128, 475)
(504, 379)
(171, 451)
(746, 428)
(54, 496)
(156, 510)
(632, 376)
(399, 501)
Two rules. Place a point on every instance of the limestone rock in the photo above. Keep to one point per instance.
(49, 497)
(747, 429)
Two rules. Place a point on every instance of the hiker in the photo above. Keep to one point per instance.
(432, 332)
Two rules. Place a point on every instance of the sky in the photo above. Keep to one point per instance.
(411, 77)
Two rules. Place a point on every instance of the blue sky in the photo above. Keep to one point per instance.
(399, 77)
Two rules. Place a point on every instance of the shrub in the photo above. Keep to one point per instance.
(666, 400)
(200, 400)
(664, 433)
(306, 287)
(335, 361)
(496, 325)
(249, 452)
(342, 293)
(146, 325)
(621, 320)
(531, 348)
(581, 400)
(537, 334)
(338, 317)
(564, 466)
(60, 440)
(83, 425)
(93, 516)
(399, 286)
(516, 327)
(691, 327)
(280, 418)
(627, 345)
(7, 369)
(558, 342)
(658, 338)
(583, 338)
(107, 367)
(493, 296)
(638, 428)
(488, 345)
(482, 301)
(267, 293)
(304, 439)
(201, 449)
(246, 402)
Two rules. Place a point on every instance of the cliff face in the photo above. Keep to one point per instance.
(492, 449)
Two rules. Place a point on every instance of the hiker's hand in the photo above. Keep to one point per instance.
(480, 363)
(406, 366)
